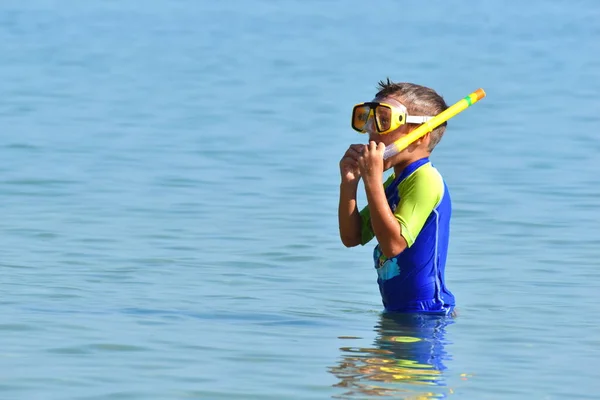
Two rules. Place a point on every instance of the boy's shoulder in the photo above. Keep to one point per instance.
(424, 174)
(425, 181)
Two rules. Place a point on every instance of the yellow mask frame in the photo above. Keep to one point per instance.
(383, 117)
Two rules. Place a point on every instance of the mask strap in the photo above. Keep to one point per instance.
(413, 119)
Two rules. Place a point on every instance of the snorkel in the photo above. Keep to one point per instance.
(433, 123)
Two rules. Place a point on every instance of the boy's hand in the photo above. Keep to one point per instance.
(370, 162)
(349, 164)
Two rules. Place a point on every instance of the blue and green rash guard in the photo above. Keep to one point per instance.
(413, 281)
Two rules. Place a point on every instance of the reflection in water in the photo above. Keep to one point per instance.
(406, 362)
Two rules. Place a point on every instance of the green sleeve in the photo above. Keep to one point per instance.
(420, 194)
(366, 231)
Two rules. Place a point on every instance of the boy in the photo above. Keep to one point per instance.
(409, 214)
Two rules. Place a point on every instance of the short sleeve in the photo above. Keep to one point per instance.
(366, 231)
(420, 194)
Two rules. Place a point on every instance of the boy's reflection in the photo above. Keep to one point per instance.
(408, 354)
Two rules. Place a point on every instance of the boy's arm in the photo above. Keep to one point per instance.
(419, 196)
(385, 226)
(348, 215)
(395, 231)
(349, 218)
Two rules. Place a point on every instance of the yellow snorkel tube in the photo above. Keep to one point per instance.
(433, 123)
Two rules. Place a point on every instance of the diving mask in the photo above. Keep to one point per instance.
(382, 117)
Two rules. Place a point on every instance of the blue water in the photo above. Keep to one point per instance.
(169, 181)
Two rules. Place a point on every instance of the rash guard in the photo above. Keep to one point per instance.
(414, 280)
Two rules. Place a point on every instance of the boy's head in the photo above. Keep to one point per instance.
(419, 101)
(416, 101)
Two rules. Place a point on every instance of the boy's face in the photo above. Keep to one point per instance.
(394, 135)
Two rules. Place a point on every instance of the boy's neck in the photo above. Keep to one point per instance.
(398, 168)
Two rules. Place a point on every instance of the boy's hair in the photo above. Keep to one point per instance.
(419, 100)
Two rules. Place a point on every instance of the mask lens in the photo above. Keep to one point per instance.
(360, 116)
(383, 116)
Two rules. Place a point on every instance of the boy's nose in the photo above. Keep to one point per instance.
(370, 126)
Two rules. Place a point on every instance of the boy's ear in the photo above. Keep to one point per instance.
(422, 140)
(425, 138)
